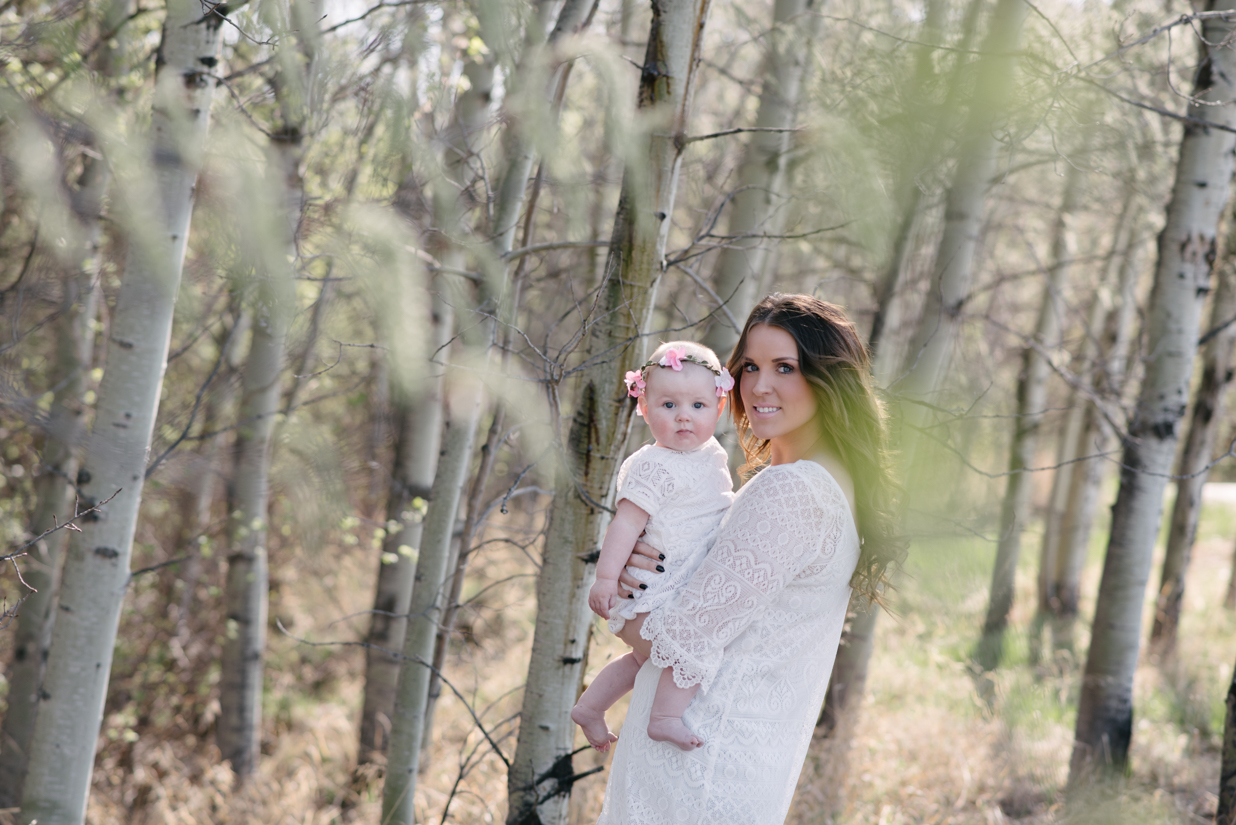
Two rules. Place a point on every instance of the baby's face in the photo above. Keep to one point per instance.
(681, 408)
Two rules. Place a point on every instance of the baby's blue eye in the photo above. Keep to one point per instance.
(699, 405)
(669, 405)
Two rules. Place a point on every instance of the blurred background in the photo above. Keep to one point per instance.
(313, 318)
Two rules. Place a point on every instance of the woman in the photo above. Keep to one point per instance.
(758, 625)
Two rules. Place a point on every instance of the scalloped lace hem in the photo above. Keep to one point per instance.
(665, 654)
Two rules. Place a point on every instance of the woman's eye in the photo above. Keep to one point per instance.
(749, 367)
(785, 369)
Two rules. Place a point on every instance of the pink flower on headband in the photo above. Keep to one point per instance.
(672, 359)
(724, 381)
(634, 379)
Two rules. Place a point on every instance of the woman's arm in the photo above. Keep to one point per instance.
(772, 534)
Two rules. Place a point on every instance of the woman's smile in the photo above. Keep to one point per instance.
(777, 397)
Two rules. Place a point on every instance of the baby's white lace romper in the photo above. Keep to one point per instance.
(685, 495)
(757, 626)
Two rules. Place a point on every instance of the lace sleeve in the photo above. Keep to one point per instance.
(773, 532)
(646, 481)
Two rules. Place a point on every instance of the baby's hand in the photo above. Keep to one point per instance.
(603, 596)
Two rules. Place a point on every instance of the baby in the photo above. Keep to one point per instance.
(675, 492)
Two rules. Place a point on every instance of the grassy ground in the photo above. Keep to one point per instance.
(925, 748)
(928, 750)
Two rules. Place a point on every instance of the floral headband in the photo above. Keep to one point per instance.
(674, 359)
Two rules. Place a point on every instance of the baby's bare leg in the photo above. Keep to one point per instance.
(665, 721)
(630, 635)
(612, 683)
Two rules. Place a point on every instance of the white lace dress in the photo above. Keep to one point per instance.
(758, 625)
(685, 495)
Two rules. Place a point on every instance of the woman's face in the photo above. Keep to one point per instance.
(778, 399)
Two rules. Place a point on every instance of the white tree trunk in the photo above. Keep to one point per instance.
(53, 488)
(760, 193)
(97, 563)
(246, 593)
(1031, 401)
(932, 345)
(1182, 278)
(1208, 412)
(1096, 437)
(419, 422)
(464, 391)
(540, 778)
(62, 445)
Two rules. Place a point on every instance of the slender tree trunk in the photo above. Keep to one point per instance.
(239, 727)
(540, 777)
(458, 563)
(465, 392)
(1182, 278)
(62, 443)
(922, 153)
(1072, 442)
(246, 592)
(1226, 815)
(931, 347)
(419, 422)
(1031, 401)
(849, 675)
(1208, 412)
(54, 486)
(97, 563)
(1096, 438)
(761, 177)
(1229, 599)
(413, 704)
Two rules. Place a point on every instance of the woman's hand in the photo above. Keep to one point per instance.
(643, 557)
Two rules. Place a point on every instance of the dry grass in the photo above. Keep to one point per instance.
(925, 748)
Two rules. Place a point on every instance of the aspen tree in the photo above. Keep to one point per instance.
(849, 674)
(418, 415)
(1182, 278)
(246, 593)
(932, 344)
(96, 569)
(1204, 419)
(520, 153)
(924, 363)
(1076, 440)
(1095, 438)
(761, 191)
(1226, 814)
(540, 776)
(464, 392)
(431, 595)
(61, 445)
(1031, 401)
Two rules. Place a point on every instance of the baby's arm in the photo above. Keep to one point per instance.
(629, 521)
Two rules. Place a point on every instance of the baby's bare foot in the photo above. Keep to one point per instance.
(671, 729)
(596, 731)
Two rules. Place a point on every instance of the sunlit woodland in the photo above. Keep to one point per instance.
(313, 320)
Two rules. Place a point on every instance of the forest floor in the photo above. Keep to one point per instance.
(925, 749)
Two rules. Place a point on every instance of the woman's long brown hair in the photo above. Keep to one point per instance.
(851, 420)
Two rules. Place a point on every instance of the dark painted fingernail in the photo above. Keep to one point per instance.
(660, 569)
(643, 587)
(630, 595)
(661, 556)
